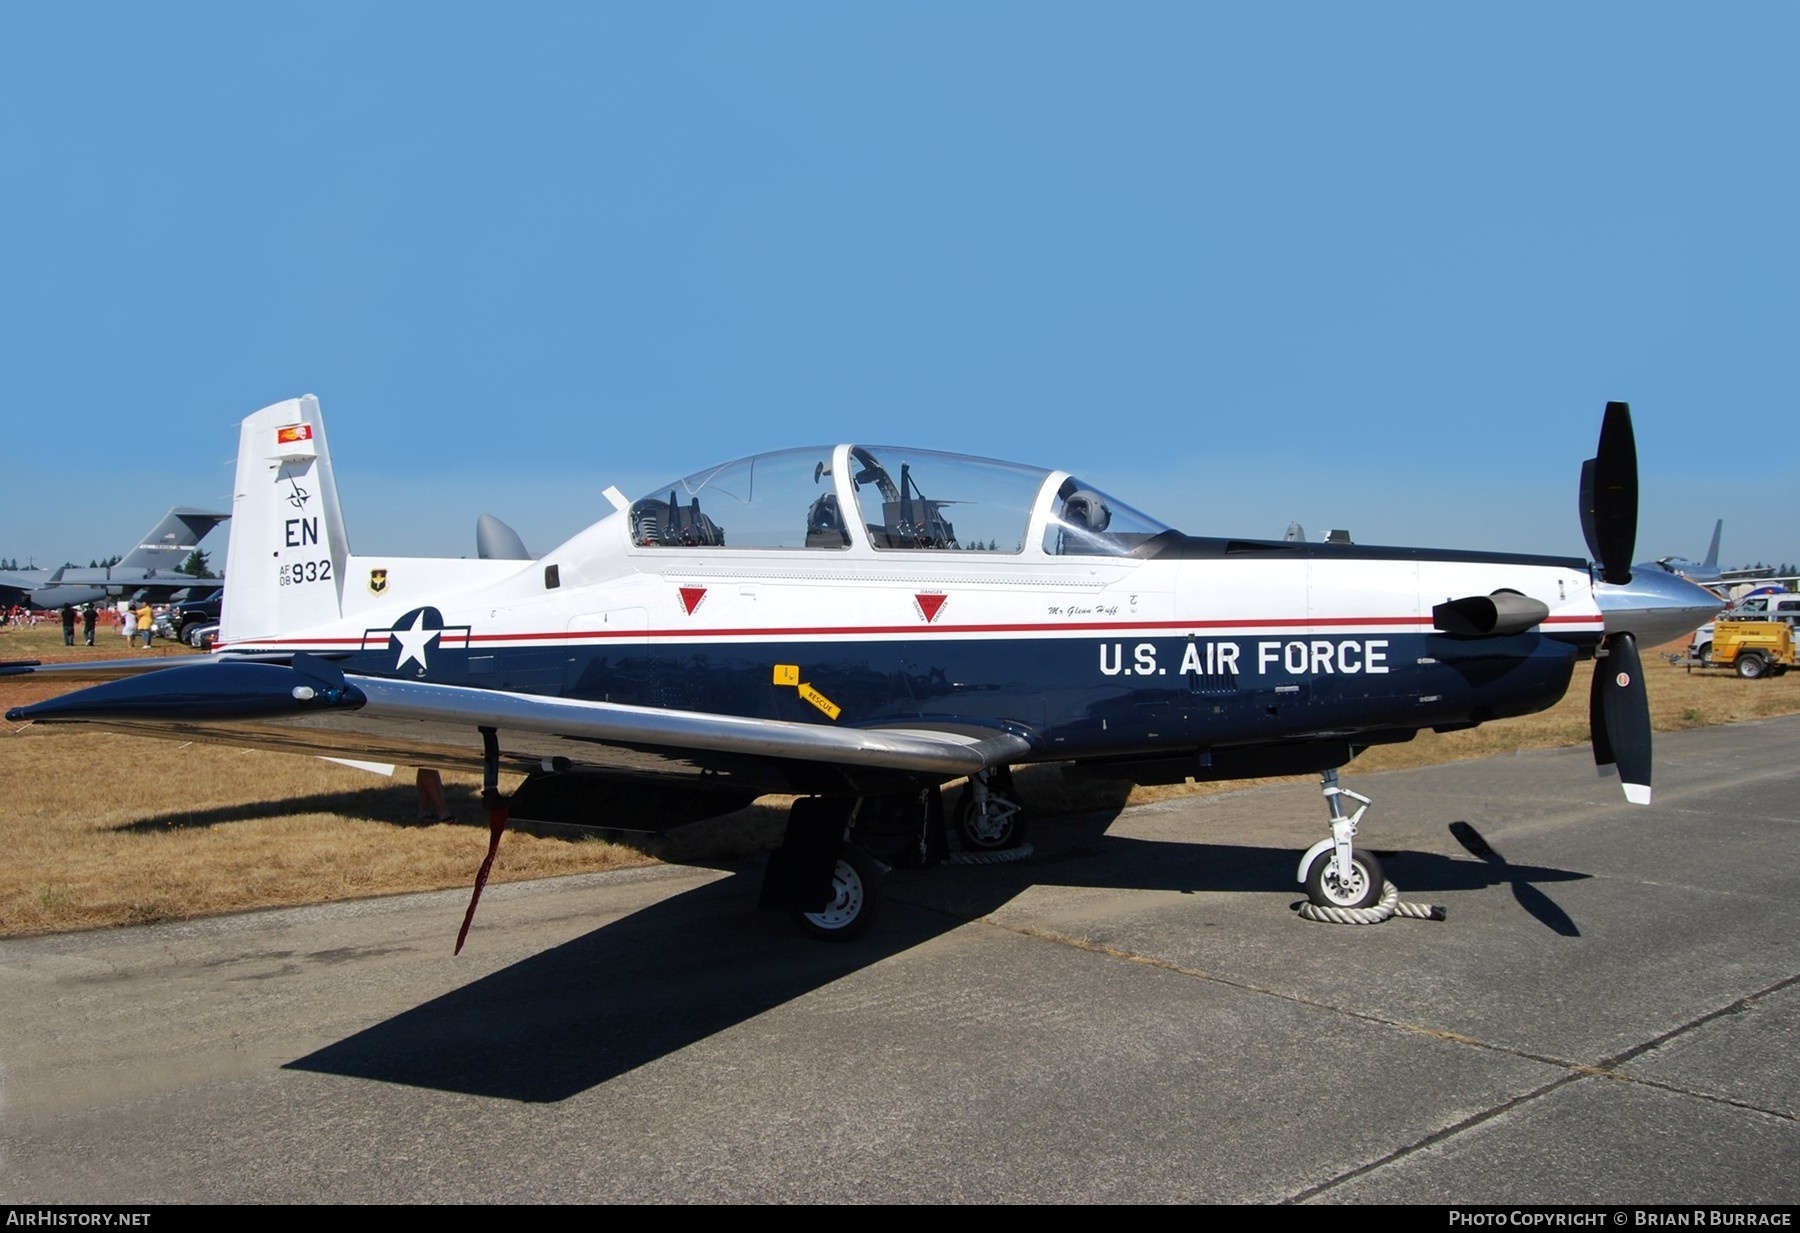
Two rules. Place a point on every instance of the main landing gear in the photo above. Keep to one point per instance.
(989, 817)
(831, 885)
(855, 896)
(1334, 873)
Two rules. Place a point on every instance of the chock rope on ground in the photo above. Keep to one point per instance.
(1390, 905)
(1000, 856)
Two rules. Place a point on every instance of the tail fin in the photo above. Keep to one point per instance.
(167, 545)
(284, 567)
(1712, 552)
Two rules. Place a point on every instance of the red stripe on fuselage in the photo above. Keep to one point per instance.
(1575, 623)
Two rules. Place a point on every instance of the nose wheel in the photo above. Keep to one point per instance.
(1328, 887)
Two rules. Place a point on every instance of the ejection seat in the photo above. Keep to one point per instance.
(825, 524)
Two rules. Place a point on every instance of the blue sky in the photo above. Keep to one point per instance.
(1365, 266)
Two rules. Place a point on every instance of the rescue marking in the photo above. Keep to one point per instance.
(789, 674)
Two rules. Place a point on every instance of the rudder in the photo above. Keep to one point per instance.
(284, 563)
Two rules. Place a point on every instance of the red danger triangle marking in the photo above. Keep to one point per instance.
(929, 605)
(691, 597)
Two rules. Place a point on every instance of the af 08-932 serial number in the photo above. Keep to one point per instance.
(302, 572)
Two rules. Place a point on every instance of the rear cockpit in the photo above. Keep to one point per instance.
(886, 499)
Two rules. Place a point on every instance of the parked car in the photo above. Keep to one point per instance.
(193, 612)
(201, 636)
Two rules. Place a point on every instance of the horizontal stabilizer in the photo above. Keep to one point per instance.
(201, 693)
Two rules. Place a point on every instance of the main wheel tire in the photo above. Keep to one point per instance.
(1751, 665)
(994, 831)
(1362, 890)
(855, 896)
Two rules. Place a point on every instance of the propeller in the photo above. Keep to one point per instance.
(1609, 496)
(1619, 717)
(1618, 708)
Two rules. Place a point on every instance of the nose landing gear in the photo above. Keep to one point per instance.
(1334, 874)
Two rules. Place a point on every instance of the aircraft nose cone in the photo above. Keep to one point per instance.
(1654, 606)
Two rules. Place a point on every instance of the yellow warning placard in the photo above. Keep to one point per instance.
(819, 700)
(789, 674)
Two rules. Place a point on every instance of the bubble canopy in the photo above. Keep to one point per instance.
(889, 499)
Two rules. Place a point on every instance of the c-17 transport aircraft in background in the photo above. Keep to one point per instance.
(152, 567)
(860, 625)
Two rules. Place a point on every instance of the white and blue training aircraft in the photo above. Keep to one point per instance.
(860, 625)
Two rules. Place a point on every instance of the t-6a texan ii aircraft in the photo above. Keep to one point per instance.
(860, 625)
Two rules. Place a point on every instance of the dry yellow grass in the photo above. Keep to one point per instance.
(102, 829)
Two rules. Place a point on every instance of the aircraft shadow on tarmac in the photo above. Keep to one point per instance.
(392, 803)
(698, 963)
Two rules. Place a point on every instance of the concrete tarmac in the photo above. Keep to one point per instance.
(1135, 1014)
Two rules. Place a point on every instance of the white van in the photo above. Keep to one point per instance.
(1778, 607)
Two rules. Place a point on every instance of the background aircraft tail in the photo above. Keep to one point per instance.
(1712, 552)
(284, 566)
(167, 545)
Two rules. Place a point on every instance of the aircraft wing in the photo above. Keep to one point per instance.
(309, 706)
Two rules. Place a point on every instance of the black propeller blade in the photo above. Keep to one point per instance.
(1619, 716)
(1609, 496)
(1618, 708)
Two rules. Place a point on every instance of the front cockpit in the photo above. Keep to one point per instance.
(886, 499)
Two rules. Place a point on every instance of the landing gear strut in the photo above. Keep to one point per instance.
(1334, 874)
(989, 816)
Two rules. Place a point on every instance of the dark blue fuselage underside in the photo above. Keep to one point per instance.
(1077, 696)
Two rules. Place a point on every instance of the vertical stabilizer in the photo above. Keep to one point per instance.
(1712, 551)
(284, 565)
(166, 547)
